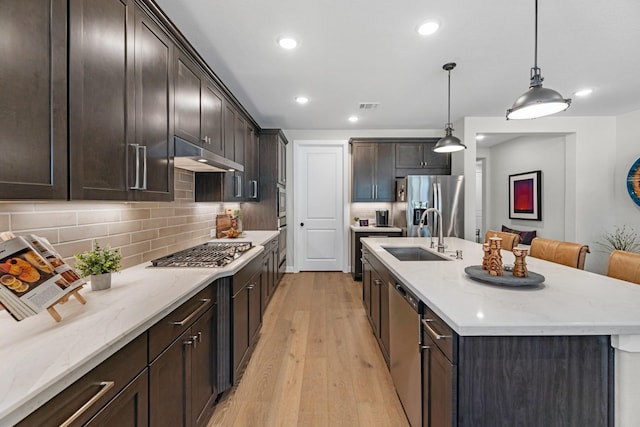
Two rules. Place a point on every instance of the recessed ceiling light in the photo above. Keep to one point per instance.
(583, 92)
(353, 119)
(302, 99)
(479, 137)
(202, 160)
(428, 28)
(287, 42)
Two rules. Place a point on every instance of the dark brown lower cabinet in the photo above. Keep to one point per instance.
(247, 320)
(129, 408)
(438, 380)
(375, 295)
(247, 312)
(115, 390)
(182, 380)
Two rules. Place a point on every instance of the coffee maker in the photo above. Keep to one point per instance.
(382, 218)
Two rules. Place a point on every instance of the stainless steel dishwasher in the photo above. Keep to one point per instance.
(404, 351)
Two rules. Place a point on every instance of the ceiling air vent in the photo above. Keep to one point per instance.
(369, 105)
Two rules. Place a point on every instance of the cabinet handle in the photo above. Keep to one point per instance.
(254, 189)
(144, 167)
(204, 303)
(105, 386)
(377, 282)
(195, 339)
(431, 331)
(136, 148)
(252, 286)
(238, 192)
(376, 191)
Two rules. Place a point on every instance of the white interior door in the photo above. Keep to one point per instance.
(319, 207)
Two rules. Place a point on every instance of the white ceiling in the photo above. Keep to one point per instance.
(354, 51)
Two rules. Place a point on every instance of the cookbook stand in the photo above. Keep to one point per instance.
(7, 235)
(51, 309)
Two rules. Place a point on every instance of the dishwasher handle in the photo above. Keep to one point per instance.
(401, 290)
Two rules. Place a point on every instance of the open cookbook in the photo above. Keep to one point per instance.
(33, 276)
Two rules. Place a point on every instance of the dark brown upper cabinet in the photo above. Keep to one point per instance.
(154, 112)
(373, 172)
(198, 106)
(121, 124)
(188, 98)
(234, 137)
(418, 158)
(252, 164)
(33, 104)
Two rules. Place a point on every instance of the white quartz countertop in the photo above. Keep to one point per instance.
(40, 357)
(569, 302)
(374, 229)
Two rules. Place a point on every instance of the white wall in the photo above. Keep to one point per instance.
(626, 212)
(526, 154)
(590, 150)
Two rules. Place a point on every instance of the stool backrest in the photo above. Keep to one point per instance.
(566, 253)
(624, 266)
(509, 240)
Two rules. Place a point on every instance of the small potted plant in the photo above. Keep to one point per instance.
(621, 239)
(99, 263)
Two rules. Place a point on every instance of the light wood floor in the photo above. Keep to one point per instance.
(317, 362)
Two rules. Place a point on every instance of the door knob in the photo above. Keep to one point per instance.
(302, 224)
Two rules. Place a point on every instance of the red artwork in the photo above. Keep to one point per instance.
(523, 196)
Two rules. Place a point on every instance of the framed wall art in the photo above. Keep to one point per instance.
(525, 196)
(633, 182)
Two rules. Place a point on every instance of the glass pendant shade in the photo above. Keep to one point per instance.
(449, 143)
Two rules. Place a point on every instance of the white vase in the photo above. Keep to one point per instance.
(100, 282)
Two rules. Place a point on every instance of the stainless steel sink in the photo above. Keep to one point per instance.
(413, 253)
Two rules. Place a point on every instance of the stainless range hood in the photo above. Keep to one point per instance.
(193, 158)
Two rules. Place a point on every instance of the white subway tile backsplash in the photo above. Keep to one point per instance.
(142, 230)
(28, 221)
(97, 217)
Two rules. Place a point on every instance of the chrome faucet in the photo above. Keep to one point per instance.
(421, 225)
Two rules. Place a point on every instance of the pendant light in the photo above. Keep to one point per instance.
(449, 143)
(537, 101)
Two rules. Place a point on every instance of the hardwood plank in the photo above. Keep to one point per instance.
(317, 362)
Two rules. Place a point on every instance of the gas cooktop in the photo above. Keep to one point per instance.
(210, 254)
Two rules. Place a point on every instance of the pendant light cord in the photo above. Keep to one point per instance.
(449, 102)
(535, 49)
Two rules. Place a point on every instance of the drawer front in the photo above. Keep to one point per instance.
(441, 333)
(83, 399)
(168, 329)
(241, 278)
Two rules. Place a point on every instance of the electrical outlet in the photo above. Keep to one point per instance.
(213, 233)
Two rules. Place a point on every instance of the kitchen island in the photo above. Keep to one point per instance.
(41, 357)
(593, 312)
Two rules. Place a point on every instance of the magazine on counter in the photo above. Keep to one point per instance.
(33, 276)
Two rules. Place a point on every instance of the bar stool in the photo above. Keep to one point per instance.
(624, 266)
(509, 240)
(566, 253)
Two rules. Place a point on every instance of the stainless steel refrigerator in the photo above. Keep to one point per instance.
(443, 192)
